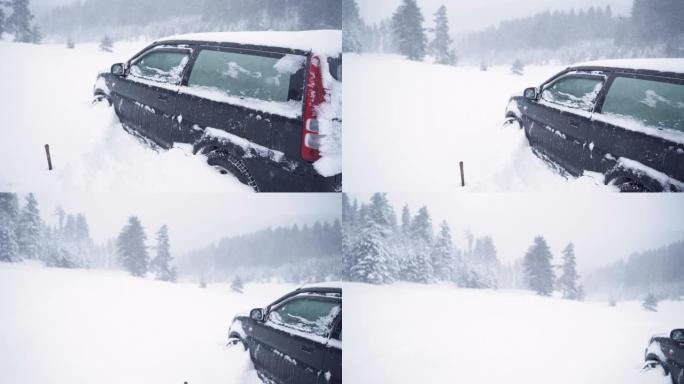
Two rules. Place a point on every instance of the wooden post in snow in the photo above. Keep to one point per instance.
(47, 153)
(460, 164)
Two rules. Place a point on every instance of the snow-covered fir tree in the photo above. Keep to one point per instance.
(370, 254)
(106, 44)
(442, 252)
(650, 303)
(237, 285)
(352, 27)
(29, 229)
(70, 43)
(2, 20)
(161, 264)
(420, 268)
(407, 26)
(482, 264)
(19, 22)
(440, 46)
(538, 270)
(517, 67)
(483, 66)
(131, 248)
(567, 282)
(9, 214)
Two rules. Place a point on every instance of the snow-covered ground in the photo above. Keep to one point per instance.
(80, 326)
(408, 124)
(409, 333)
(45, 98)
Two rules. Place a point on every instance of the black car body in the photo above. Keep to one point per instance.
(621, 118)
(297, 339)
(668, 351)
(249, 101)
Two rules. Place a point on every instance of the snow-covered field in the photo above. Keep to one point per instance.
(409, 333)
(408, 124)
(45, 98)
(80, 326)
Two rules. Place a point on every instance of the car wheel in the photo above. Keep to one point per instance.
(628, 185)
(225, 164)
(100, 97)
(512, 122)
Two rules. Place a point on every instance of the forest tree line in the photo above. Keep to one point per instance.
(654, 28)
(379, 248)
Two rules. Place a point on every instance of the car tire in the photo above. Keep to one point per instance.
(100, 97)
(225, 163)
(628, 185)
(511, 120)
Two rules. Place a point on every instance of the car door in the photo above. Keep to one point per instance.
(638, 119)
(253, 94)
(331, 371)
(145, 97)
(289, 346)
(559, 123)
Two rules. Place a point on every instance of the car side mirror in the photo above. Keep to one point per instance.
(118, 69)
(257, 314)
(530, 93)
(677, 335)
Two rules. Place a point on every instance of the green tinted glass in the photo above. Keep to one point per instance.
(653, 103)
(242, 75)
(161, 66)
(574, 92)
(307, 315)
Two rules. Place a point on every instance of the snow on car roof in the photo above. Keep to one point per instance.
(325, 41)
(327, 284)
(662, 65)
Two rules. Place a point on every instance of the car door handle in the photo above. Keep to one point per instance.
(162, 97)
(307, 349)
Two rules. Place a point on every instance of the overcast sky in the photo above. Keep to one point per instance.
(474, 15)
(194, 220)
(603, 227)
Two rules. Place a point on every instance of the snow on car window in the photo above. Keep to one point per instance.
(652, 103)
(290, 64)
(574, 92)
(306, 315)
(161, 66)
(241, 75)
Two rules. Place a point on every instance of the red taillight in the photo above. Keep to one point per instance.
(314, 95)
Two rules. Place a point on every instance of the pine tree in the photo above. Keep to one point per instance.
(2, 21)
(407, 27)
(237, 285)
(370, 254)
(483, 66)
(106, 44)
(538, 270)
(442, 254)
(9, 212)
(352, 27)
(405, 220)
(482, 264)
(29, 229)
(567, 282)
(650, 303)
(517, 67)
(420, 265)
(19, 22)
(70, 43)
(131, 248)
(161, 264)
(441, 44)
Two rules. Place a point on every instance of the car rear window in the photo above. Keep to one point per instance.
(165, 66)
(246, 75)
(308, 315)
(652, 103)
(577, 92)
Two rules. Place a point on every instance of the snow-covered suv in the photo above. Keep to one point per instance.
(263, 106)
(667, 352)
(297, 339)
(621, 118)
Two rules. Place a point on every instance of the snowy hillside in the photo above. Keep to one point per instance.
(46, 99)
(441, 334)
(84, 326)
(410, 123)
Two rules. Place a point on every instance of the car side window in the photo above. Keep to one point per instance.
(310, 315)
(245, 75)
(164, 66)
(653, 103)
(578, 92)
